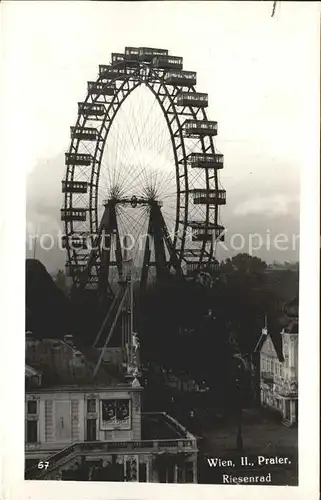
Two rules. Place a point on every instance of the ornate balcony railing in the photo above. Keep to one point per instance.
(188, 445)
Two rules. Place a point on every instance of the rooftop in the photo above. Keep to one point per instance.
(276, 342)
(61, 364)
(161, 426)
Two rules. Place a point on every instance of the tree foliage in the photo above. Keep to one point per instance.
(61, 282)
(187, 328)
(48, 312)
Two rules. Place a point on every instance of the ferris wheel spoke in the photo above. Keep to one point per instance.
(115, 145)
(142, 140)
(132, 134)
(150, 147)
(159, 151)
(146, 120)
(135, 229)
(133, 222)
(126, 163)
(156, 134)
(135, 119)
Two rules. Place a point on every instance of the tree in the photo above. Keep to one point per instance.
(61, 282)
(48, 310)
(243, 263)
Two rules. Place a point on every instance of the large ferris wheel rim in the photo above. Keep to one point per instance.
(94, 227)
(103, 132)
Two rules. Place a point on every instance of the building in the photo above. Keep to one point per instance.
(87, 424)
(182, 382)
(279, 372)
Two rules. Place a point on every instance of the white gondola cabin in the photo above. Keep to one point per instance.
(74, 187)
(168, 62)
(91, 110)
(181, 78)
(117, 58)
(209, 196)
(206, 232)
(200, 160)
(110, 72)
(73, 214)
(78, 159)
(74, 242)
(100, 88)
(147, 54)
(196, 267)
(121, 60)
(196, 99)
(194, 128)
(132, 53)
(84, 133)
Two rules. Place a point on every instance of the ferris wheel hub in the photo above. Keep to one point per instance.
(133, 201)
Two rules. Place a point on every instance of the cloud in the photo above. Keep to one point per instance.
(271, 206)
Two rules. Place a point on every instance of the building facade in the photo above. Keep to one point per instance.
(279, 379)
(90, 427)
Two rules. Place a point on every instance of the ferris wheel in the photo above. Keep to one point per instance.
(142, 174)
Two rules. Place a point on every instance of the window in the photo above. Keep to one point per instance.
(143, 472)
(91, 429)
(189, 472)
(170, 473)
(91, 405)
(115, 413)
(32, 431)
(161, 469)
(32, 407)
(32, 421)
(262, 363)
(180, 474)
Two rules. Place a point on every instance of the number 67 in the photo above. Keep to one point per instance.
(43, 465)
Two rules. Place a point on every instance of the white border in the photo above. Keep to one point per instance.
(12, 210)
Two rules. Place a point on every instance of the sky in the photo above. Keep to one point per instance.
(255, 68)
